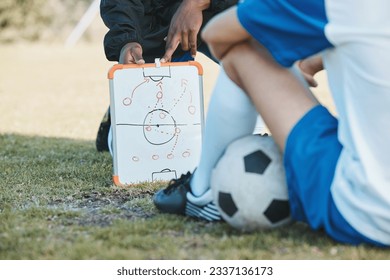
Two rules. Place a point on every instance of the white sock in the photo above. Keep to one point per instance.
(231, 115)
(260, 127)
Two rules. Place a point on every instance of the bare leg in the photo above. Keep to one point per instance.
(280, 98)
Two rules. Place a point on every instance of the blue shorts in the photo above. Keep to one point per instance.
(188, 57)
(310, 159)
(290, 29)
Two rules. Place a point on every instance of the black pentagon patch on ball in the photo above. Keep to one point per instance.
(227, 204)
(277, 211)
(256, 162)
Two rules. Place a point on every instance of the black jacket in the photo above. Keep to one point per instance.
(146, 22)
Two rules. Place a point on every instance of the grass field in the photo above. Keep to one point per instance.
(57, 200)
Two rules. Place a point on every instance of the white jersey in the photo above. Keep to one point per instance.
(359, 78)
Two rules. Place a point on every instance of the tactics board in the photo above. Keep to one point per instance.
(157, 118)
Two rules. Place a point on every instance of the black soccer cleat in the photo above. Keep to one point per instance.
(176, 199)
(102, 134)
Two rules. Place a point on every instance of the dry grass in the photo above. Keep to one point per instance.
(48, 90)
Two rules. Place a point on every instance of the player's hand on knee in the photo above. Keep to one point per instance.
(309, 67)
(131, 53)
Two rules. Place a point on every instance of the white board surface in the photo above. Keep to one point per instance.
(157, 120)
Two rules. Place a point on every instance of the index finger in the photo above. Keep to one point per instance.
(172, 45)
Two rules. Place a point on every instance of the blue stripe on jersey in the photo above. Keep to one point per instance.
(290, 29)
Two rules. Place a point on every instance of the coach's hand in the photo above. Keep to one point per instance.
(131, 53)
(184, 28)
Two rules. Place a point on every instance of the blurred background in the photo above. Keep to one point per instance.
(50, 21)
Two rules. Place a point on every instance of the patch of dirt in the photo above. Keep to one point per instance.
(101, 209)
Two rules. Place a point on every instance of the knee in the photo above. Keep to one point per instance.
(230, 60)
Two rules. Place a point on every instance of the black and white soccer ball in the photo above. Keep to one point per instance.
(249, 185)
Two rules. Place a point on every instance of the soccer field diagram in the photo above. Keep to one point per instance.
(157, 122)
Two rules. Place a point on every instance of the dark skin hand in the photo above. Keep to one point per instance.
(184, 28)
(131, 53)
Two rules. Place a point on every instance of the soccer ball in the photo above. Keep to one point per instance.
(249, 185)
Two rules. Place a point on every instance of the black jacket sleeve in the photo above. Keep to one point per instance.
(122, 17)
(217, 6)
